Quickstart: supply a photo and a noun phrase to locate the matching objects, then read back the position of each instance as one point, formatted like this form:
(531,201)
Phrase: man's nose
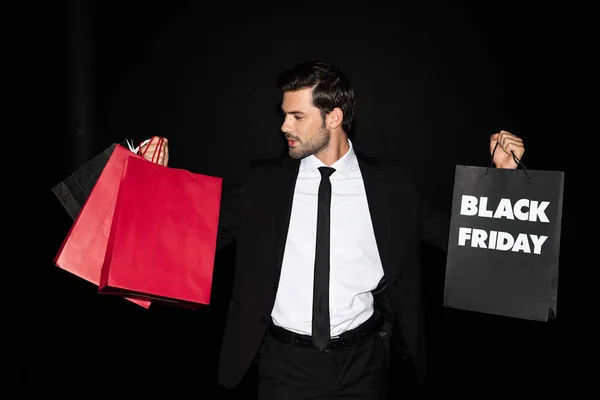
(286,127)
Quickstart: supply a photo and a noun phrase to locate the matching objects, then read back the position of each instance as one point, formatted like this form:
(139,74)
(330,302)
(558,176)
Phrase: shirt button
(263,320)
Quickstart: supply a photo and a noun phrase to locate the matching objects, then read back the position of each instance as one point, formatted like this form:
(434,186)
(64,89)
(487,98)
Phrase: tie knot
(326,171)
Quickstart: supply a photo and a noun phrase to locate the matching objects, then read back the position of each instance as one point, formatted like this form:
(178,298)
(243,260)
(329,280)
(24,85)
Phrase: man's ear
(334,118)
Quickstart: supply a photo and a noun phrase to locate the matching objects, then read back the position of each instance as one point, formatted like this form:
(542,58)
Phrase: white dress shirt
(355,266)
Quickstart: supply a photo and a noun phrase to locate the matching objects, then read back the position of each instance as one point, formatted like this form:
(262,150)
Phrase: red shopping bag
(82,251)
(163,236)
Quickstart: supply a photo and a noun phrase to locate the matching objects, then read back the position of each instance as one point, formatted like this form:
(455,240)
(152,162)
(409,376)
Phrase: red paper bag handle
(158,150)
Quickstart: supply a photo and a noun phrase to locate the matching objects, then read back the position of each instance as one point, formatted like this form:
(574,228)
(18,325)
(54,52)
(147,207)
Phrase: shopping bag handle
(156,151)
(519,163)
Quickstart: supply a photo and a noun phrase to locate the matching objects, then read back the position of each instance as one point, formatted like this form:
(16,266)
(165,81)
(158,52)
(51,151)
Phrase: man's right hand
(156,151)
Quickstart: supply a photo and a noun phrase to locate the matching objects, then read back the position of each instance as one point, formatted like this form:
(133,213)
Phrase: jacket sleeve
(231,205)
(228,214)
(434,220)
(434,224)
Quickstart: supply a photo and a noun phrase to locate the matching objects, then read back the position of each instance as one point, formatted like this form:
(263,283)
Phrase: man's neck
(337,148)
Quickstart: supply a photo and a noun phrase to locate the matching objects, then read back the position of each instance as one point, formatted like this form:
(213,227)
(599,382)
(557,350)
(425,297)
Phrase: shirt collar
(344,165)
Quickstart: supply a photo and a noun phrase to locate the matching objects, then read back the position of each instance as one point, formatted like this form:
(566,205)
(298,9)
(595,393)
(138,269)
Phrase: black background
(433,81)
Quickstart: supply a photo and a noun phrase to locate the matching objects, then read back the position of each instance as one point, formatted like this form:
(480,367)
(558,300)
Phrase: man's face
(303,126)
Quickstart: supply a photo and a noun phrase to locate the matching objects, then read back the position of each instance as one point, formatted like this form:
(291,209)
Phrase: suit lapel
(285,176)
(379,189)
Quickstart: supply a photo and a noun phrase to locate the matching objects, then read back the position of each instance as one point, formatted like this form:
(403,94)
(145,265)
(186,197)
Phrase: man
(377,219)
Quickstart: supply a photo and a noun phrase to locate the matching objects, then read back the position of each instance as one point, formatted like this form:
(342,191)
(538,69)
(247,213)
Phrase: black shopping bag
(73,191)
(504,241)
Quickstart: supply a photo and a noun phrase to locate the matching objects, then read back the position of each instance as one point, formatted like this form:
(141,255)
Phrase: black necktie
(320,322)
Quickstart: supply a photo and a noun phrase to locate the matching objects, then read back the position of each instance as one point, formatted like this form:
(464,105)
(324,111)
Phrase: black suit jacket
(258,219)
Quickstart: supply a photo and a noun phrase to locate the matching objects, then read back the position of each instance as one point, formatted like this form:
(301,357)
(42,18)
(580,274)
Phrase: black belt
(346,339)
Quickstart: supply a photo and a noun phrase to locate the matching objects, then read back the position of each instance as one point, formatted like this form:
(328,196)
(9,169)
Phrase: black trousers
(288,372)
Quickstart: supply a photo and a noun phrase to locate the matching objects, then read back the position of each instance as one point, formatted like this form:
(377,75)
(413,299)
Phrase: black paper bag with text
(73,191)
(504,242)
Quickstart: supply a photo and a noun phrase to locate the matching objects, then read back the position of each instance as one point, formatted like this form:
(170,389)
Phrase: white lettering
(538,211)
(504,209)
(498,240)
(468,205)
(519,206)
(479,237)
(538,241)
(464,234)
(483,211)
(521,244)
(471,205)
(505,241)
(493,239)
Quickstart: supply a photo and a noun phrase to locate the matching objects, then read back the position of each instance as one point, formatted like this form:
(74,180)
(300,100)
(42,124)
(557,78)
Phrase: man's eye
(298,117)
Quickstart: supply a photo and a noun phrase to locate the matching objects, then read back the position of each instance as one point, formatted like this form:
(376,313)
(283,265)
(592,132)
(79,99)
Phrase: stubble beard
(312,146)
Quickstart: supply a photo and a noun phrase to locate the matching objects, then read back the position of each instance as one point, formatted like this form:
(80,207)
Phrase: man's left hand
(507,145)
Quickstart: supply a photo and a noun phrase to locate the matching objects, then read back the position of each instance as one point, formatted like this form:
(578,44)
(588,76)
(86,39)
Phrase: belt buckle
(289,339)
(336,344)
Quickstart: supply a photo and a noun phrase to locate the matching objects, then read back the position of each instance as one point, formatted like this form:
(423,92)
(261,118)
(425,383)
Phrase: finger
(148,152)
(502,135)
(508,142)
(164,153)
(149,147)
(161,153)
(515,151)
(162,160)
(157,151)
(494,142)
(515,148)
(506,134)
